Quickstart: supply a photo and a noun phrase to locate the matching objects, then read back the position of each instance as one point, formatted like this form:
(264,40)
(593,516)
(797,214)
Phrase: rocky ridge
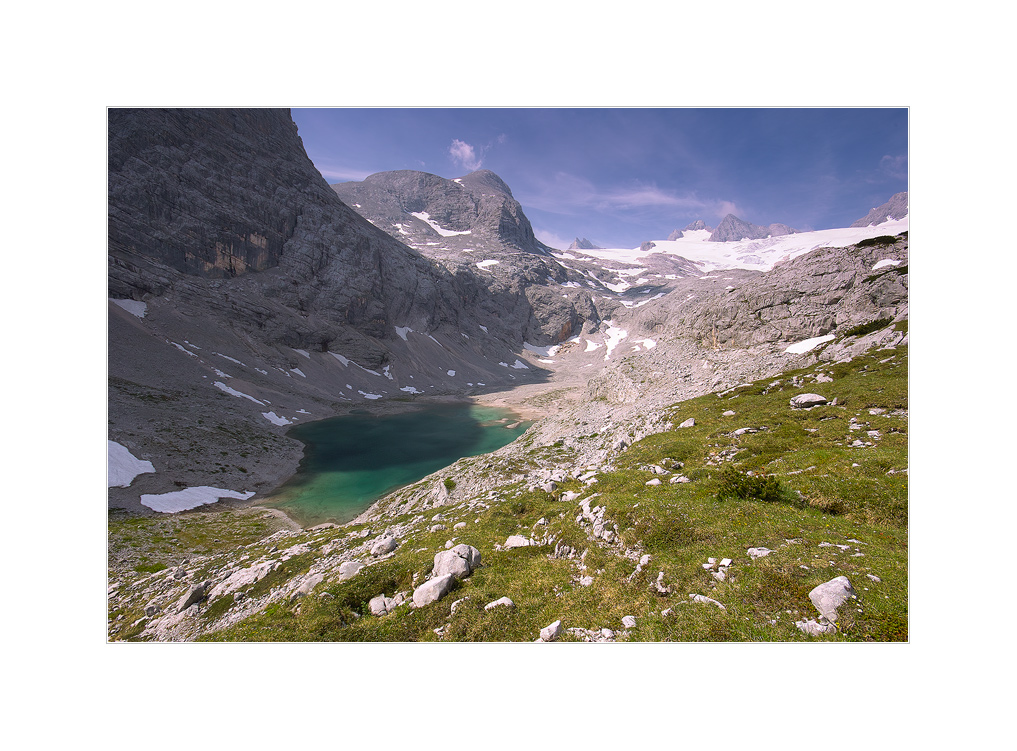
(895,208)
(733,228)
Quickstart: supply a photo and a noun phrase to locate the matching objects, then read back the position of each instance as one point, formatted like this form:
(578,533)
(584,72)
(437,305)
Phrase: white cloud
(464,154)
(551,239)
(894,166)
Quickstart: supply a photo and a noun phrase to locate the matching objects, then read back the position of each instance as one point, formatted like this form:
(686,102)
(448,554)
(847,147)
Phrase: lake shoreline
(511,418)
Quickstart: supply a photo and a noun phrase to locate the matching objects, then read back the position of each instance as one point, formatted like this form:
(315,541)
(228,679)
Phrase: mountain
(713,420)
(583,244)
(475,210)
(732,228)
(699,224)
(245,295)
(676,234)
(895,208)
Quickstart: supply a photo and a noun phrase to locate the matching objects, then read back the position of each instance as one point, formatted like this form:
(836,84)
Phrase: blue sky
(623,176)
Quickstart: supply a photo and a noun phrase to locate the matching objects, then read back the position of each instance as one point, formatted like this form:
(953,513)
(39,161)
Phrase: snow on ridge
(227,357)
(486,264)
(233,392)
(759,255)
(426,218)
(188,498)
(800,348)
(134,307)
(122,466)
(303,352)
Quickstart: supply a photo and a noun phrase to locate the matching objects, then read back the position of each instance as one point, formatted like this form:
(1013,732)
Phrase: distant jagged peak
(731,229)
(676,234)
(698,225)
(581,243)
(895,208)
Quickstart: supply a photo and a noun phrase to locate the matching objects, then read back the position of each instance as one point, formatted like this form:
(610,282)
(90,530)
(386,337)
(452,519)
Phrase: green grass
(820,492)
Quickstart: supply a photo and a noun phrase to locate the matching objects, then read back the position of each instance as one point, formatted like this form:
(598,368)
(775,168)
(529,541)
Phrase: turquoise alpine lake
(352,461)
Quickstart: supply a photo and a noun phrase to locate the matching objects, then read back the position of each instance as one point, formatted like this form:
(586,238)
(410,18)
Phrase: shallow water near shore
(352,461)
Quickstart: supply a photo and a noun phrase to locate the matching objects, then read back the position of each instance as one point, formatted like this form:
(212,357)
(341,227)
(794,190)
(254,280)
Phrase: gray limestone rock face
(676,234)
(384,546)
(896,208)
(500,602)
(349,569)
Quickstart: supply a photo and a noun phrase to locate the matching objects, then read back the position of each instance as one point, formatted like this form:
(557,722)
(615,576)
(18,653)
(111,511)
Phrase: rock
(500,602)
(828,597)
(379,605)
(384,546)
(552,632)
(688,423)
(654,481)
(460,525)
(607,633)
(349,569)
(196,594)
(586,581)
(708,600)
(679,478)
(151,609)
(755,553)
(815,628)
(460,561)
(728,413)
(629,621)
(517,541)
(874,578)
(725,563)
(433,590)
(805,401)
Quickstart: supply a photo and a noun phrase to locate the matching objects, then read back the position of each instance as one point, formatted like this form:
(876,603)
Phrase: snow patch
(275,419)
(122,466)
(182,500)
(233,392)
(450,372)
(426,218)
(226,357)
(303,352)
(520,365)
(542,351)
(369,396)
(802,347)
(485,264)
(410,390)
(613,337)
(884,263)
(402,331)
(134,307)
(298,371)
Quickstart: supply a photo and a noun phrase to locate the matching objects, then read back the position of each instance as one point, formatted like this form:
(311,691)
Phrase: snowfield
(134,307)
(183,500)
(759,255)
(800,348)
(122,466)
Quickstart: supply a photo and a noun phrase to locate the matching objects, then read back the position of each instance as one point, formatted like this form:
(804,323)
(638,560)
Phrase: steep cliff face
(895,208)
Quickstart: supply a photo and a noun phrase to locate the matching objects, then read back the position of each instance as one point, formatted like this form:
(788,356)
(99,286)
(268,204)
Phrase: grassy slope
(833,493)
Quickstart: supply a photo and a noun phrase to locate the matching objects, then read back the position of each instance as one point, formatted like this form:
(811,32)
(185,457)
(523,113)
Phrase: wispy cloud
(464,155)
(569,194)
(894,166)
(551,239)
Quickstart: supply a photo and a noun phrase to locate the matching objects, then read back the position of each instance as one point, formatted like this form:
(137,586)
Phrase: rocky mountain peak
(698,225)
(583,244)
(731,228)
(485,179)
(676,234)
(896,208)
